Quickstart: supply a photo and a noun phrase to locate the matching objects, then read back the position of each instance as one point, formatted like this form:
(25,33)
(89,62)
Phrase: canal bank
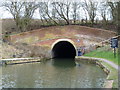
(12,61)
(108,67)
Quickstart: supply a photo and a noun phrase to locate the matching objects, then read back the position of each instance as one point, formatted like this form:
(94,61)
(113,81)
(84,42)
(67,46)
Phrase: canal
(53,74)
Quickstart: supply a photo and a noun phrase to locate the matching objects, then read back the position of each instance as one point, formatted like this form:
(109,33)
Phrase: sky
(5,14)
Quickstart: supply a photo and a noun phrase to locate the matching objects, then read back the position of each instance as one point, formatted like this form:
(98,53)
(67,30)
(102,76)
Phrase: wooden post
(114,53)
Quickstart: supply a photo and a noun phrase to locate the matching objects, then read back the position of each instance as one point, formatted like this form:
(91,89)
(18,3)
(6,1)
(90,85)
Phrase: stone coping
(108,83)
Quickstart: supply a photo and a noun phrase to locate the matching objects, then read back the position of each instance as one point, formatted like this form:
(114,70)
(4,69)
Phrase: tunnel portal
(63,49)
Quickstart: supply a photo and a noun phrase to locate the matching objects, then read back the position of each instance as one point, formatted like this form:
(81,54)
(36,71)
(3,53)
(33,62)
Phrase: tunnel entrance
(63,49)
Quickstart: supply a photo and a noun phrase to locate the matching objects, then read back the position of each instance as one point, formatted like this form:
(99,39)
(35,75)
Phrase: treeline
(64,13)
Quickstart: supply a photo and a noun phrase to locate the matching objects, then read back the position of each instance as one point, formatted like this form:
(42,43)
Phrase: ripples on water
(65,73)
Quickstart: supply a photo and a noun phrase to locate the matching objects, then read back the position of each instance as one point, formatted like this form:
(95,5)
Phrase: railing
(90,48)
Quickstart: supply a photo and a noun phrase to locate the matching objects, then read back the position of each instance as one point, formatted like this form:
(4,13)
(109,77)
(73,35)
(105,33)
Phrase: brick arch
(68,40)
(63,48)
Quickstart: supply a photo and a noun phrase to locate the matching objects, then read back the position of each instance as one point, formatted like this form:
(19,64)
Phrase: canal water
(53,74)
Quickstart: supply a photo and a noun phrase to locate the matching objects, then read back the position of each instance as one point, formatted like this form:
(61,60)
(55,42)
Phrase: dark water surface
(53,74)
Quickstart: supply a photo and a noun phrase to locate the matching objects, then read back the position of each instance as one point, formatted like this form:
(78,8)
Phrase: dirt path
(110,63)
(105,60)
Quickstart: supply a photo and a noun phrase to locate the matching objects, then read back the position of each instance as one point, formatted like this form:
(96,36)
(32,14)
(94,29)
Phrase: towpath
(105,60)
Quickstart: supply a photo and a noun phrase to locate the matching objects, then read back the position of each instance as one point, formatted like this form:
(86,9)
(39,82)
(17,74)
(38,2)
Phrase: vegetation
(22,13)
(113,75)
(104,53)
(107,53)
(22,50)
(62,13)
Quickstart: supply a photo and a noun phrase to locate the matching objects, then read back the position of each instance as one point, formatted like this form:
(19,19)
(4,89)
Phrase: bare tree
(118,19)
(75,9)
(91,8)
(115,13)
(42,12)
(47,11)
(114,10)
(22,12)
(63,10)
(104,10)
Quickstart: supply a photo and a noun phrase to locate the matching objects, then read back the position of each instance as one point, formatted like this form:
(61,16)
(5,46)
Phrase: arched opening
(63,49)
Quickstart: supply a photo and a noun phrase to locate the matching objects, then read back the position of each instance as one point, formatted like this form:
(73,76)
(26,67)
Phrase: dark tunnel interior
(63,49)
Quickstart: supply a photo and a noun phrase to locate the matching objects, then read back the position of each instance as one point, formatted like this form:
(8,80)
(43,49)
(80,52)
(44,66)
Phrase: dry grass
(23,50)
(8,51)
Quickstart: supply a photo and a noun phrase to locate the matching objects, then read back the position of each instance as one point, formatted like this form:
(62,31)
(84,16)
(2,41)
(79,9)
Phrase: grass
(106,54)
(113,74)
(29,40)
(48,36)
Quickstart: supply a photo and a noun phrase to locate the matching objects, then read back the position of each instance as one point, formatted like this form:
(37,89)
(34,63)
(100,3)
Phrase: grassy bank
(107,53)
(103,53)
(113,75)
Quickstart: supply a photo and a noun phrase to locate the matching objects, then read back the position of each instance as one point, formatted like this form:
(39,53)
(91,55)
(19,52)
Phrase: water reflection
(55,73)
(63,62)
